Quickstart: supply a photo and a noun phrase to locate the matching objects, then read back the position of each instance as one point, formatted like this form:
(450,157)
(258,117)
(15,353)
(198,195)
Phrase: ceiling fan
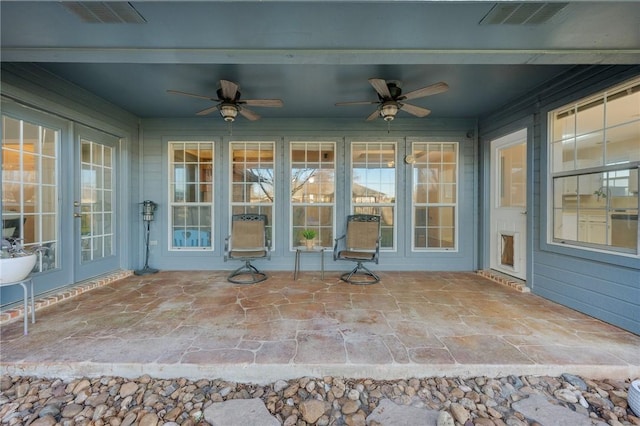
(391,100)
(229,103)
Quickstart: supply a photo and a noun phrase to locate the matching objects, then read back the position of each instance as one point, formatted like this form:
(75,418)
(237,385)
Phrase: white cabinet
(592,229)
(583,184)
(568,229)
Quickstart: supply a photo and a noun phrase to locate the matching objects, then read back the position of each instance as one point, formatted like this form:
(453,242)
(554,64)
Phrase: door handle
(77,215)
(523,212)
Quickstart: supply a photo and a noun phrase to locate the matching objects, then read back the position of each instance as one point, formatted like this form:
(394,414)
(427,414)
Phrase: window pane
(597,206)
(29,186)
(435,176)
(373,187)
(253,176)
(312,191)
(623,143)
(564,125)
(589,150)
(590,116)
(191,186)
(95,200)
(623,106)
(513,176)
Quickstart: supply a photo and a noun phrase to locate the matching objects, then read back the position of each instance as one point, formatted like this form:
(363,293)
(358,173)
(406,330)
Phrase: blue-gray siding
(605,286)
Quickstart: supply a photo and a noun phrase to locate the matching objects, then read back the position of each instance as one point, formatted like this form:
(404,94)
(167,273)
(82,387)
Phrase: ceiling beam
(321,56)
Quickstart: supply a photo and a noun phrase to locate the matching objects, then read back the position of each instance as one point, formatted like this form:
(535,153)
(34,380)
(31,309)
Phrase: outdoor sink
(16,268)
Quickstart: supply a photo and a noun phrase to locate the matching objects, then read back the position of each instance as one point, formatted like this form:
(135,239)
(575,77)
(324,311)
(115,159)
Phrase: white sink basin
(16,268)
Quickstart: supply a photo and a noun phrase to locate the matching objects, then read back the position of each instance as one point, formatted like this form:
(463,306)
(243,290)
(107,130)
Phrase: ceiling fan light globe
(229,112)
(389,111)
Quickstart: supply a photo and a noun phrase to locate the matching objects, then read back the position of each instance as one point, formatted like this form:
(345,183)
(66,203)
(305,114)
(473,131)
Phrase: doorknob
(77,215)
(76,204)
(523,212)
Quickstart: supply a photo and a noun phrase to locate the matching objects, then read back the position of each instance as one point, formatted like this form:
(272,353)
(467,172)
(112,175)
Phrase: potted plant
(309,235)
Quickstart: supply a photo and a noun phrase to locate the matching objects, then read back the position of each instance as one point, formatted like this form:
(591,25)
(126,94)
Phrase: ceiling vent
(521,13)
(104,12)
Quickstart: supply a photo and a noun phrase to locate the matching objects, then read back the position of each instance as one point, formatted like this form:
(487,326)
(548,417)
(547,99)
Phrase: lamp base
(145,271)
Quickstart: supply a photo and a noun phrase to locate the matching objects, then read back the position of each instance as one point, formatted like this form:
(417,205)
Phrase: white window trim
(550,175)
(456,205)
(335,170)
(171,204)
(349,194)
(271,224)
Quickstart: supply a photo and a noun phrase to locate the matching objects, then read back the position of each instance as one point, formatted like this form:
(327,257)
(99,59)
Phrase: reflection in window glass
(373,187)
(30,187)
(313,191)
(191,195)
(435,189)
(253,180)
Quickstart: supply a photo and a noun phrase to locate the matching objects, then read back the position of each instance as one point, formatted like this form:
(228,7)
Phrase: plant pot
(633,397)
(16,268)
(308,244)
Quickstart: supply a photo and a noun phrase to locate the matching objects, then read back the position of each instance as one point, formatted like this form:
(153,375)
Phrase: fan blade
(229,89)
(357,103)
(375,114)
(248,114)
(381,87)
(207,110)
(415,110)
(434,89)
(273,103)
(177,92)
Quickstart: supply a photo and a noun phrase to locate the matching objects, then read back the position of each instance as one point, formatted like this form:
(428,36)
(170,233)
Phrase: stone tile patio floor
(411,324)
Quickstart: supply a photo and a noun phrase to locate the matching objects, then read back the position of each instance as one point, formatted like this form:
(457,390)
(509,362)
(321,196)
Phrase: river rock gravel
(323,401)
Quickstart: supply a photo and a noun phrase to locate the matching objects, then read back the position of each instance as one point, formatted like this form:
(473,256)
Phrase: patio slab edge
(267,373)
(16,311)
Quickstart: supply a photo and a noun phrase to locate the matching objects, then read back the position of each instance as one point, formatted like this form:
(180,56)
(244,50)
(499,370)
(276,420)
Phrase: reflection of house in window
(363,196)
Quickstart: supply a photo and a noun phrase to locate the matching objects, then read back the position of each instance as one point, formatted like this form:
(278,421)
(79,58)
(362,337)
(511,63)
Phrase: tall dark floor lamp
(148,207)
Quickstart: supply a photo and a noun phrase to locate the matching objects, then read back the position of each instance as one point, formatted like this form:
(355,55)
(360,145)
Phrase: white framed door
(94,204)
(508,218)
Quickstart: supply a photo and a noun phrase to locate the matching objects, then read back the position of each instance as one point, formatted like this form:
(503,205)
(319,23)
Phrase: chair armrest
(335,246)
(376,256)
(227,247)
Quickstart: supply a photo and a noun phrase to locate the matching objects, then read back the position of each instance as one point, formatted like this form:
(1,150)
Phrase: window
(29,186)
(435,195)
(253,180)
(313,191)
(96,201)
(191,194)
(373,186)
(595,155)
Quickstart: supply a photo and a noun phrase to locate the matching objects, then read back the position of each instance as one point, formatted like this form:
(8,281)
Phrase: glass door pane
(95,204)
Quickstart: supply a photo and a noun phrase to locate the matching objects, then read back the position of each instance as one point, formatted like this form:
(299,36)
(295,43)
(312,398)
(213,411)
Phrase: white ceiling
(312,54)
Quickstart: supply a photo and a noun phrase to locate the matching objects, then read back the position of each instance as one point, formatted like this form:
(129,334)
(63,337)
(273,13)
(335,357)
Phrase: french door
(94,203)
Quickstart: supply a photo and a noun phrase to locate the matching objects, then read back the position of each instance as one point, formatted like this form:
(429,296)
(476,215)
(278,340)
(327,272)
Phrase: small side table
(303,249)
(23,283)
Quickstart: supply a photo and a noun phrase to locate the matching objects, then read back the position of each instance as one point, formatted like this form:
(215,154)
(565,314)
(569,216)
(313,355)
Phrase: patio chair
(360,244)
(248,241)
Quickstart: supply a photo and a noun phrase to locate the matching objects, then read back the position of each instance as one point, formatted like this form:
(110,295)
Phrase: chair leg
(244,270)
(360,270)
